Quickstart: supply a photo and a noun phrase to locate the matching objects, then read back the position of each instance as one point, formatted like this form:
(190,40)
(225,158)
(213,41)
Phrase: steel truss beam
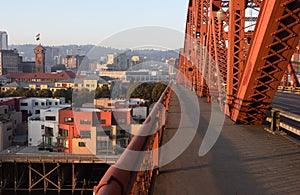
(274,41)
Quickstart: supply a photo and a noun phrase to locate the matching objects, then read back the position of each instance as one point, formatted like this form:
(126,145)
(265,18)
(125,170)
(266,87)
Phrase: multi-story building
(33,106)
(41,77)
(113,74)
(3,40)
(9,120)
(51,58)
(43,128)
(80,130)
(73,61)
(10,62)
(110,59)
(76,124)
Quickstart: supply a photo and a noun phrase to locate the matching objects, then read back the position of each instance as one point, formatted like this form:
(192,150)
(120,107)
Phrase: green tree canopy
(44,93)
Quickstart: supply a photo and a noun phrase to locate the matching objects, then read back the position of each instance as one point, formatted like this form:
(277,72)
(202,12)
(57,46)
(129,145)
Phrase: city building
(135,60)
(76,124)
(10,61)
(43,128)
(3,40)
(41,77)
(110,59)
(73,61)
(146,75)
(172,63)
(27,67)
(39,59)
(3,80)
(10,118)
(33,106)
(113,74)
(52,58)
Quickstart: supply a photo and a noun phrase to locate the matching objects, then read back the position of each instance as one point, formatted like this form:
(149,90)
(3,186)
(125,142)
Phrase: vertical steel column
(235,61)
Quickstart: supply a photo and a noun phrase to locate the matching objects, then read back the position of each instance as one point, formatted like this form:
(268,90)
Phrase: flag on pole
(37,37)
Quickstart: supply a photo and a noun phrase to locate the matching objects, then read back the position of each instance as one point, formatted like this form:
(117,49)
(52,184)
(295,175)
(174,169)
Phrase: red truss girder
(275,38)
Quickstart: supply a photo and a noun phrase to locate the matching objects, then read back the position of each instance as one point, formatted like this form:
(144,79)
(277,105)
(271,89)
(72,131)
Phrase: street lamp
(221,15)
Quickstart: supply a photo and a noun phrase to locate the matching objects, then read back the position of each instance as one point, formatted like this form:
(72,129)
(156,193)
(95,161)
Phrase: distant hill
(95,52)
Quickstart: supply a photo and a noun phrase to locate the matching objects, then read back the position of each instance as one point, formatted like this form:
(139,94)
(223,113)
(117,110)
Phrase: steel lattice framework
(243,68)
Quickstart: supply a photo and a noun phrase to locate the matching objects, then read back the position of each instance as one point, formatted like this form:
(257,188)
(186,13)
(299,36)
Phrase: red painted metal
(275,38)
(250,64)
(236,57)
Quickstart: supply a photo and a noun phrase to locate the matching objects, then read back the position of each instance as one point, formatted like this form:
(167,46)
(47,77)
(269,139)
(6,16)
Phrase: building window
(63,133)
(85,122)
(68,120)
(24,104)
(81,144)
(37,112)
(42,126)
(50,103)
(43,104)
(50,118)
(36,103)
(8,128)
(102,121)
(85,134)
(56,103)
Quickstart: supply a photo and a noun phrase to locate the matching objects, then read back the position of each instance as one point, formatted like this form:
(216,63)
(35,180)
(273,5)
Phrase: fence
(276,123)
(289,89)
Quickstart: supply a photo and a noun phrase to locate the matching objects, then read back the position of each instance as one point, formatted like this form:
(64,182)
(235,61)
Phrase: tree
(158,89)
(143,90)
(29,93)
(12,93)
(66,93)
(82,96)
(102,92)
(44,93)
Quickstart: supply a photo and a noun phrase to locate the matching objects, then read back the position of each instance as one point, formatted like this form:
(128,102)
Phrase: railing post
(275,124)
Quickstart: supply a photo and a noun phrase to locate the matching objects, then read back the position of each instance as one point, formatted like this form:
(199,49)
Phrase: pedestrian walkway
(244,160)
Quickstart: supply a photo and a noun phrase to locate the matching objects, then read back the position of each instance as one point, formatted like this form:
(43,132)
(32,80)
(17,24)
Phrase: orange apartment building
(79,130)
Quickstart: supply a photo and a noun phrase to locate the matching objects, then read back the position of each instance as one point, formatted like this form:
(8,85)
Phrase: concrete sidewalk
(244,160)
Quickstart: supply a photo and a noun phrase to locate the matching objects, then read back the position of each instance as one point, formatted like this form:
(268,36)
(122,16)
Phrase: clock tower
(39,59)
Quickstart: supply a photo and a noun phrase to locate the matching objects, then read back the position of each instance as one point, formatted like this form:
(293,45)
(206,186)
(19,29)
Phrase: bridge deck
(244,160)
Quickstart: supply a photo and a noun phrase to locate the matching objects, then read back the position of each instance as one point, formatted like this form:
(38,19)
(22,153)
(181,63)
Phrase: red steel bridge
(236,54)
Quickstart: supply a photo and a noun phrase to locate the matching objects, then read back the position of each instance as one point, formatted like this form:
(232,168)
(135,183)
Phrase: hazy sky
(89,21)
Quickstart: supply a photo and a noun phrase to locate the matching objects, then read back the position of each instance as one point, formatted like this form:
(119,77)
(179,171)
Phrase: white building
(43,128)
(32,106)
(3,40)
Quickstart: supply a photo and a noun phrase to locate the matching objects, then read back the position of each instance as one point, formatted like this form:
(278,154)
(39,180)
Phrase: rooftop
(51,76)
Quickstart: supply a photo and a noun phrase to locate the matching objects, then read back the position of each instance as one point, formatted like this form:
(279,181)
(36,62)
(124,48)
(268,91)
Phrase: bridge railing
(278,121)
(141,167)
(289,89)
